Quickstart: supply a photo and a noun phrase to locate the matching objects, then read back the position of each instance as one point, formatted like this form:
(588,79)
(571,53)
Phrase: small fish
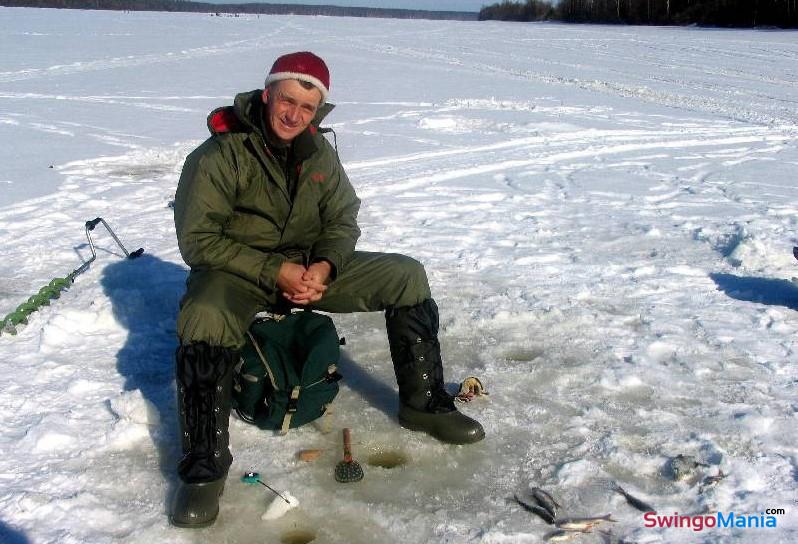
(559,535)
(631,499)
(582,524)
(683,467)
(535,509)
(709,481)
(470,388)
(545,501)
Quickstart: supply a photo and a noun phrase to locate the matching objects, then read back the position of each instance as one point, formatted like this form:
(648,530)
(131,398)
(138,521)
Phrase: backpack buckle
(293,400)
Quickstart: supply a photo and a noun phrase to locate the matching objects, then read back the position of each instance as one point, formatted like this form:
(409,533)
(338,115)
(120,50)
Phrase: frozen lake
(606,215)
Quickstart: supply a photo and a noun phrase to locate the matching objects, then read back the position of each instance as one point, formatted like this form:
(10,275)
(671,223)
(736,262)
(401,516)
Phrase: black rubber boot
(204,396)
(196,505)
(424,404)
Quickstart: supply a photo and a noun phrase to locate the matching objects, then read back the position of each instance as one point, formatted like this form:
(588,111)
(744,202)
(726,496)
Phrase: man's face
(290,108)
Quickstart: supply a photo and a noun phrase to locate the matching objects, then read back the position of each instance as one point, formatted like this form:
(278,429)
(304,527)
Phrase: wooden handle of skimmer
(348,445)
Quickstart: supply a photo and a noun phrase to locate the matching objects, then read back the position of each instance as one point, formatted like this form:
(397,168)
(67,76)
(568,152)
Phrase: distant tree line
(271,9)
(531,10)
(731,13)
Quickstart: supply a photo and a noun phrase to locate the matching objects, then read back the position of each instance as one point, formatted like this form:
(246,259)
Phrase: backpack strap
(262,357)
(292,400)
(289,413)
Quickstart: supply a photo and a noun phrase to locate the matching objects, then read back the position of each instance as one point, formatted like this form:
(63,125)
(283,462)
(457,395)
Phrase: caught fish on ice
(558,535)
(583,524)
(710,481)
(536,509)
(684,467)
(543,499)
(632,500)
(470,388)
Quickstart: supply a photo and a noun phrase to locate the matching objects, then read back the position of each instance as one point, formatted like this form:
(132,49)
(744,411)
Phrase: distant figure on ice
(267,220)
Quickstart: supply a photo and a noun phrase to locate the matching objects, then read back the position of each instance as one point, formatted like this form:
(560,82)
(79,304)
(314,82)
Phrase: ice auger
(53,289)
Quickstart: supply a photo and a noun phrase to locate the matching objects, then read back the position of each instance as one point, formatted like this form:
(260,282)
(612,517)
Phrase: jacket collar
(248,110)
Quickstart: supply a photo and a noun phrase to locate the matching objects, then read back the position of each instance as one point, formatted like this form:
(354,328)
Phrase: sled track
(397,174)
(731,104)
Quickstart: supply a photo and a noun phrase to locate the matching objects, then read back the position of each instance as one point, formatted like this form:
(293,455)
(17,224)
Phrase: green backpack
(288,373)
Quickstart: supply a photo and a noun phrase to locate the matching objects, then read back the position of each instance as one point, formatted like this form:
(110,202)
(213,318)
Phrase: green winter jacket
(233,210)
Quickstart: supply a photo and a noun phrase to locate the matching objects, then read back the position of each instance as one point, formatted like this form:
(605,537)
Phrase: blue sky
(447,5)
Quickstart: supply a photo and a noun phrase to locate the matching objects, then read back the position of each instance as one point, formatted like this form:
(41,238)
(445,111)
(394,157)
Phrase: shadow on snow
(773,292)
(376,392)
(10,535)
(145,293)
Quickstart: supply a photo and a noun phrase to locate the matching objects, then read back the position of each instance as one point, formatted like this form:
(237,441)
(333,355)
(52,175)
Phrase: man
(267,220)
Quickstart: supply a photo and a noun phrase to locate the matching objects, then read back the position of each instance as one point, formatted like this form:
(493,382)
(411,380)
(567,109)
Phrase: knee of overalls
(412,285)
(216,309)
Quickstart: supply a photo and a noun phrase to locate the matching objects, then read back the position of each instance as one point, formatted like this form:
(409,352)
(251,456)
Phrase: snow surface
(606,215)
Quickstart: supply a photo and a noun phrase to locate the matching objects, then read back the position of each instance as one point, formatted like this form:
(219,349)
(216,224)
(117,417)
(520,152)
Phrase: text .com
(719,520)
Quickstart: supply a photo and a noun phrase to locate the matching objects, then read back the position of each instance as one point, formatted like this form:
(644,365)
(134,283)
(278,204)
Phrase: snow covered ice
(606,214)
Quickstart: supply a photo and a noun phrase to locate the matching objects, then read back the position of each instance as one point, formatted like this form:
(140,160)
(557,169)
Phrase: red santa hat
(304,66)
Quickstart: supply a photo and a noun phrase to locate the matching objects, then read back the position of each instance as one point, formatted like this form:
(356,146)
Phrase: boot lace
(441,401)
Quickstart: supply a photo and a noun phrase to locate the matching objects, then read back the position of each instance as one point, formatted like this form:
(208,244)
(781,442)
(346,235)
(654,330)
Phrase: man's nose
(293,114)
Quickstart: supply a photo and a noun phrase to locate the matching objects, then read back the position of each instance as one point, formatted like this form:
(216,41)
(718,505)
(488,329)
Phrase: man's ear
(265,95)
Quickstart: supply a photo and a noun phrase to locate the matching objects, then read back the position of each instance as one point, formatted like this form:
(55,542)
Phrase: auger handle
(90,226)
(348,445)
(93,223)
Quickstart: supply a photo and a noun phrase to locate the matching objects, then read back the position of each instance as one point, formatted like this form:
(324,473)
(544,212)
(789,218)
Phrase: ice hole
(387,459)
(297,537)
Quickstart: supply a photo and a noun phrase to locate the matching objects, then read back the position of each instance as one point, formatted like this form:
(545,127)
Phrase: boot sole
(202,525)
(420,428)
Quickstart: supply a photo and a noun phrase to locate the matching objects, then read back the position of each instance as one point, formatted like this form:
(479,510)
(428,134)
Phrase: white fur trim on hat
(316,82)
